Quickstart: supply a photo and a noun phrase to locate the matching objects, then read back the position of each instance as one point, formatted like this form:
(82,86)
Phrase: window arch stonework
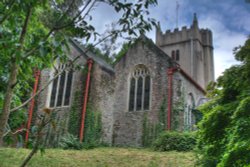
(188,112)
(139,93)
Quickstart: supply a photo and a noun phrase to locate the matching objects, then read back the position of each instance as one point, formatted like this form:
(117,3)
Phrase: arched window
(61,89)
(173,54)
(177,56)
(188,112)
(139,93)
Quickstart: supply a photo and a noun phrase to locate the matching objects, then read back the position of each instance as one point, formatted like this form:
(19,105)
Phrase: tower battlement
(194,47)
(184,34)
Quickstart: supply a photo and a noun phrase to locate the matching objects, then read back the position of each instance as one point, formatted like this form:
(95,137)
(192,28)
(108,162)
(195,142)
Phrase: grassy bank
(99,157)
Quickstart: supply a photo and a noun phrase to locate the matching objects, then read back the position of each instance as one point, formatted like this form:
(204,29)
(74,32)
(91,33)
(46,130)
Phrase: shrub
(177,141)
(70,142)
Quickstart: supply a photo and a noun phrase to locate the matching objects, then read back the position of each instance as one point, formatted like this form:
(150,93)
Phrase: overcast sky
(229,21)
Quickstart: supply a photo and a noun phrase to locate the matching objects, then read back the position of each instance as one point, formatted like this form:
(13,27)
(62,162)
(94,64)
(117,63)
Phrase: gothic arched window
(188,112)
(139,93)
(61,89)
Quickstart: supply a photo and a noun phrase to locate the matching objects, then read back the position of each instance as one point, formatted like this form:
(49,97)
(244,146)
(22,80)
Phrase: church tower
(191,48)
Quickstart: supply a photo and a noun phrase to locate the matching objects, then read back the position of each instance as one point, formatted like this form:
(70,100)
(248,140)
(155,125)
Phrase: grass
(99,157)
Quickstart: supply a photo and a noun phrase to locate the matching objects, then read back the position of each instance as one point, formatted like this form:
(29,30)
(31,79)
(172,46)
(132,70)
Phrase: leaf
(42,150)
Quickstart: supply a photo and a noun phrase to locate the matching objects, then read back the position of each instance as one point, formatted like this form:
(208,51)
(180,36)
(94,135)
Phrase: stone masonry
(110,86)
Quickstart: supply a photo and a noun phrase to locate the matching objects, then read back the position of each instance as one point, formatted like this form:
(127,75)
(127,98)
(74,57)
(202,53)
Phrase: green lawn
(99,157)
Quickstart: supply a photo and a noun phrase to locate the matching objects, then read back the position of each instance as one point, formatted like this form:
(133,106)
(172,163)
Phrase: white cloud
(225,40)
(225,19)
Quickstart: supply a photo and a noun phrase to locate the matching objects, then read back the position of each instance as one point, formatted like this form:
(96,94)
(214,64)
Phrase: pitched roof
(154,48)
(88,54)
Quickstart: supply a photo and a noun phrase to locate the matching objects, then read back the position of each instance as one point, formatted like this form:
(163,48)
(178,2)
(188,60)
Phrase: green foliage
(178,108)
(70,142)
(74,116)
(99,53)
(175,141)
(122,52)
(238,147)
(224,132)
(163,115)
(92,128)
(36,33)
(99,157)
(152,130)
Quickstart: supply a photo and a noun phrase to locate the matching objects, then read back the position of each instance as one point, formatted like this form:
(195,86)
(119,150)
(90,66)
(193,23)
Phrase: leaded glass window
(61,88)
(139,93)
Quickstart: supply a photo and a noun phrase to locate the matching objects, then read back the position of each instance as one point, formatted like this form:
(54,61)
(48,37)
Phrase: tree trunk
(12,80)
(28,158)
(7,100)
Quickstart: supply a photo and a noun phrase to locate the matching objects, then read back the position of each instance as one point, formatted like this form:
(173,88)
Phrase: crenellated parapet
(194,47)
(185,34)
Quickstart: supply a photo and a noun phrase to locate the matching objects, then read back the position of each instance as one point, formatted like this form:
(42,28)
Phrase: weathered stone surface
(110,87)
(196,50)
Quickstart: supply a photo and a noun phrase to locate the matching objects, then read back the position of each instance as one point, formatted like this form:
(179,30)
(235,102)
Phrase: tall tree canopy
(224,132)
(33,33)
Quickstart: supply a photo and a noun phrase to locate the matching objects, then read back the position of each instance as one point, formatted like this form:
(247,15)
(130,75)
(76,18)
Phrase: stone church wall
(101,99)
(183,88)
(128,125)
(62,114)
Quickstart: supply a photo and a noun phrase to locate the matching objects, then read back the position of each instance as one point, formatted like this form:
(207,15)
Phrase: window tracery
(139,93)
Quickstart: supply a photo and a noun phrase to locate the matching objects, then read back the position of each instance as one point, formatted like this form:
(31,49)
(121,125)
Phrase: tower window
(139,94)
(177,57)
(61,89)
(173,54)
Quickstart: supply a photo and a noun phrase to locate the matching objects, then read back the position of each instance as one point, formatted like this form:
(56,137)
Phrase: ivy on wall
(93,127)
(75,115)
(151,130)
(178,111)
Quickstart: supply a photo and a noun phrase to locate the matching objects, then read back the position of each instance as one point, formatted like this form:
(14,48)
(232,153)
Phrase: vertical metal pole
(86,93)
(37,75)
(170,80)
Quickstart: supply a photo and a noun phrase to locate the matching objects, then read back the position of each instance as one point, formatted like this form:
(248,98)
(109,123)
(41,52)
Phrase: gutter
(170,73)
(85,100)
(32,104)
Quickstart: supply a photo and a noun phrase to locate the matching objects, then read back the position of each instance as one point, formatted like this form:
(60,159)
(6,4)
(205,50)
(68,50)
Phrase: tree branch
(24,28)
(7,14)
(77,16)
(37,93)
(59,73)
(30,52)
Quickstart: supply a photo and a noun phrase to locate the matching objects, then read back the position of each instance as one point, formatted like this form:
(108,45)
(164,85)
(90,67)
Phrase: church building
(153,87)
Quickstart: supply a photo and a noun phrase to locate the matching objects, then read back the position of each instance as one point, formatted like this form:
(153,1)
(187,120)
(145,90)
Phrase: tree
(33,33)
(224,131)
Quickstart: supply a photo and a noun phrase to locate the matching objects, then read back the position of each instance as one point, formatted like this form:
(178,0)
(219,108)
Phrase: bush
(70,142)
(169,141)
